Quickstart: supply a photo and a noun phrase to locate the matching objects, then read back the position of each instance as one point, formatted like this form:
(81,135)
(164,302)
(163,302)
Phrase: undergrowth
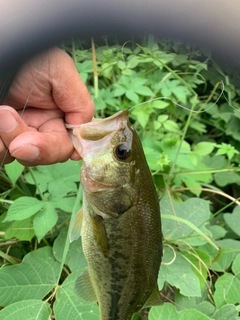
(185,108)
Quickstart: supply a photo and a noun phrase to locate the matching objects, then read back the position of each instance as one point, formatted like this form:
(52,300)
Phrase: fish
(119,222)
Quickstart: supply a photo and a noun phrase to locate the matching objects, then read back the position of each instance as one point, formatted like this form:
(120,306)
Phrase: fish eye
(122,152)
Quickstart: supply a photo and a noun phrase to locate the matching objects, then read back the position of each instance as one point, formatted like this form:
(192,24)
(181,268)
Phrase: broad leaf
(225,178)
(75,258)
(23,208)
(236,266)
(178,272)
(233,220)
(68,306)
(168,311)
(31,279)
(228,311)
(224,261)
(197,303)
(27,310)
(59,176)
(22,230)
(227,290)
(193,210)
(45,220)
(204,148)
(14,170)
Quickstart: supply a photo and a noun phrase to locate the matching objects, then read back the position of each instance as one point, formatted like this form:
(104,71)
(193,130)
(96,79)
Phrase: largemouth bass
(120,219)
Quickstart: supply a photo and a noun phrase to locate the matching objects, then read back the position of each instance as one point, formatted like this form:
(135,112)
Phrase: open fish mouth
(88,135)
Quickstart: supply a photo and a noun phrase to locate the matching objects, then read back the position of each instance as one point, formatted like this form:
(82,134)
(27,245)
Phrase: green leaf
(185,161)
(204,148)
(27,310)
(171,126)
(203,175)
(85,67)
(168,311)
(144,91)
(45,220)
(160,104)
(64,203)
(132,96)
(178,272)
(192,184)
(236,265)
(14,170)
(69,306)
(215,162)
(119,92)
(233,245)
(162,118)
(233,220)
(153,158)
(224,261)
(228,311)
(227,149)
(193,314)
(75,258)
(22,230)
(62,189)
(23,208)
(121,64)
(35,277)
(227,290)
(198,126)
(196,303)
(56,175)
(142,116)
(199,261)
(173,87)
(217,232)
(193,210)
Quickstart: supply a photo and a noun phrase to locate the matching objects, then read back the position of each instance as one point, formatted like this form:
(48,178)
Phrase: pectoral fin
(100,234)
(84,287)
(154,299)
(75,231)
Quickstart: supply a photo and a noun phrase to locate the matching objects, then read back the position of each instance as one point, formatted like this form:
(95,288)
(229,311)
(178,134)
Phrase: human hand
(53,92)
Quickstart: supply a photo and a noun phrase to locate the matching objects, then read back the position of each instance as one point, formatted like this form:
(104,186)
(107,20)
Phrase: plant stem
(208,190)
(180,144)
(95,73)
(36,184)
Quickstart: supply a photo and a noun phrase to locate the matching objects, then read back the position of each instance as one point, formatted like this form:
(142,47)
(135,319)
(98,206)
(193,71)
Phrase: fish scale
(120,224)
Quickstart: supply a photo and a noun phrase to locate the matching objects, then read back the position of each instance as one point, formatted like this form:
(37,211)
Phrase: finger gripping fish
(120,219)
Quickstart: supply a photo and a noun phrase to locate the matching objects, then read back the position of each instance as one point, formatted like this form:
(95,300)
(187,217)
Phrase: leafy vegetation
(185,108)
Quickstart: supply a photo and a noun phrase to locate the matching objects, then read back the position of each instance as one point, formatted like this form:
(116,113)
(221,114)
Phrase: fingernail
(27,153)
(7,122)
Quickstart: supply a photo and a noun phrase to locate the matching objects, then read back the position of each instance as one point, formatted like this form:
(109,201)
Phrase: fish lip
(122,113)
(96,130)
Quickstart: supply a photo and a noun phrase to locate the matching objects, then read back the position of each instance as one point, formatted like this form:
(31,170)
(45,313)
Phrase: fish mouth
(99,128)
(89,134)
(96,129)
